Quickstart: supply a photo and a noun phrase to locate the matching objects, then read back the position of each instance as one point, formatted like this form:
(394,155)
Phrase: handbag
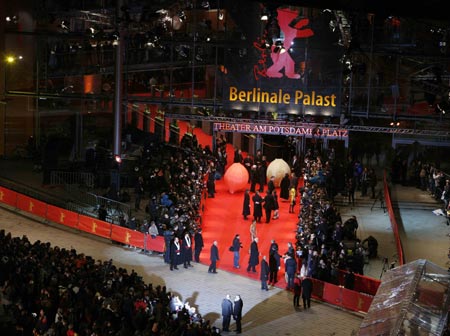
(231,249)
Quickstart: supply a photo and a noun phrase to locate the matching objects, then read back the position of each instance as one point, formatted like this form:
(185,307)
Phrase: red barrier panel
(127,236)
(332,294)
(363,284)
(8,197)
(31,205)
(94,226)
(156,244)
(62,216)
(341,297)
(355,301)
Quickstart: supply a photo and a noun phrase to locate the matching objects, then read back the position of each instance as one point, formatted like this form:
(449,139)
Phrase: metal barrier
(71,177)
(114,209)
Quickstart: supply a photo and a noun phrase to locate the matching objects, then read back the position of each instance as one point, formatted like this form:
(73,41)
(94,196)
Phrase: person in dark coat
(264,275)
(227,312)
(254,178)
(276,207)
(186,245)
(253,260)
(269,206)
(175,253)
(307,287)
(214,257)
(274,264)
(271,185)
(198,245)
(257,206)
(297,292)
(349,279)
(246,205)
(261,176)
(237,313)
(138,192)
(284,187)
(290,269)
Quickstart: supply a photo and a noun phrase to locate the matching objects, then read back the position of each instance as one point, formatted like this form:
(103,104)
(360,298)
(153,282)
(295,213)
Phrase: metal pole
(118,94)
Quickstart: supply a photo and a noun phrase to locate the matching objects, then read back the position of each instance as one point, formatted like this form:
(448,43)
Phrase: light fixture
(264,15)
(220,15)
(395,123)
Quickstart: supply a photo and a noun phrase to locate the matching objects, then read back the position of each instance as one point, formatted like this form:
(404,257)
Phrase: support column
(118,94)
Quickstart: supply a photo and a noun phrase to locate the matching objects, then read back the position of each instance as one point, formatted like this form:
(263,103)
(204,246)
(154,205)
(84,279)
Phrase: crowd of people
(324,243)
(47,290)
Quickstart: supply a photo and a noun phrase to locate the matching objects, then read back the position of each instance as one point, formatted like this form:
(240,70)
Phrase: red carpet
(222,219)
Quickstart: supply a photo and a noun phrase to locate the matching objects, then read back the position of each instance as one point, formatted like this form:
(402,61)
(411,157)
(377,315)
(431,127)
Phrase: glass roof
(411,300)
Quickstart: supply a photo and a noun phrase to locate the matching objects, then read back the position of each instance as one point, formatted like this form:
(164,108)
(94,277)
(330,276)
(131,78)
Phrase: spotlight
(264,15)
(205,4)
(220,16)
(395,123)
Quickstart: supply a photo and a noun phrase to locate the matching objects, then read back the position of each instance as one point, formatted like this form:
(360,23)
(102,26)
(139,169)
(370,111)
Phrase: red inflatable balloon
(236,177)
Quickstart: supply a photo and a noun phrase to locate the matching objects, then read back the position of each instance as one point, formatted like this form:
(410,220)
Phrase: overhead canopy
(411,300)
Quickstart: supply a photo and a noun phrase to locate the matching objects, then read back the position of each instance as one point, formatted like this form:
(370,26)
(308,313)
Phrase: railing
(394,225)
(114,209)
(68,178)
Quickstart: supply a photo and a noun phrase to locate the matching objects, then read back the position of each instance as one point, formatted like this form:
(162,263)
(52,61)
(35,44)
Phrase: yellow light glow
(10,59)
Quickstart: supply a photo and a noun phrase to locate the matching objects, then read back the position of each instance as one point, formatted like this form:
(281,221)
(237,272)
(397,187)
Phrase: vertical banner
(8,197)
(62,216)
(31,205)
(94,226)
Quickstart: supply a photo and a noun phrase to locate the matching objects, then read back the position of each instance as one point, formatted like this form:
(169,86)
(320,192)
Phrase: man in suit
(269,206)
(257,206)
(214,257)
(254,256)
(271,185)
(227,311)
(198,241)
(290,268)
(264,273)
(237,313)
(307,287)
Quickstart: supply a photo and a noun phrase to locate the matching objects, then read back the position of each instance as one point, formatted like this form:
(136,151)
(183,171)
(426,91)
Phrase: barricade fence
(83,222)
(394,225)
(327,292)
(71,177)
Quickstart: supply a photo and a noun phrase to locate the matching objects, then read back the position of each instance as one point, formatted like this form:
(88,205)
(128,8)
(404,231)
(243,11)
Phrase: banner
(94,226)
(8,197)
(309,131)
(31,205)
(126,236)
(62,216)
(289,64)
